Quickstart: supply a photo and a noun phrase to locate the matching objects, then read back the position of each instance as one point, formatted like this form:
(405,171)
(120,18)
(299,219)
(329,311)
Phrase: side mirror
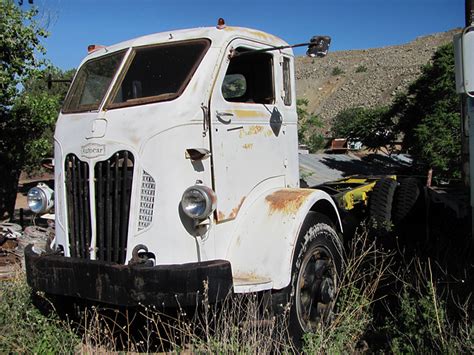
(318,46)
(464,59)
(50,81)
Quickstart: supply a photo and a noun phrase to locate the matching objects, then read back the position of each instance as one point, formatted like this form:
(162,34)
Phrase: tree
(428,115)
(22,117)
(374,127)
(426,118)
(20,39)
(309,129)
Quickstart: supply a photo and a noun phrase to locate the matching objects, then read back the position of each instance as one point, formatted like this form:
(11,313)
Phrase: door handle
(224,117)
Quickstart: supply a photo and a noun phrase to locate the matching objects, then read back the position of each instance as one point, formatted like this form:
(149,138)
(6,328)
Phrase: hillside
(371,77)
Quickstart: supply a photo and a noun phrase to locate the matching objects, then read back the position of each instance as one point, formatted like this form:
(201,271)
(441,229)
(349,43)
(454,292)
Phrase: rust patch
(248,146)
(252,130)
(261,35)
(236,210)
(220,216)
(287,201)
(250,278)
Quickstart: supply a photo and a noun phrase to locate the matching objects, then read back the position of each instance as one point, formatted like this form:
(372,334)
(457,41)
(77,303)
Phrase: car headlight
(198,202)
(40,198)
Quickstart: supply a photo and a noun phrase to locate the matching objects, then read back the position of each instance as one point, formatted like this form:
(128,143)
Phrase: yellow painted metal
(354,190)
(357,195)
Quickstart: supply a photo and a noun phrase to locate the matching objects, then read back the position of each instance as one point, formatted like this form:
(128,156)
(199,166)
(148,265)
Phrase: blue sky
(352,24)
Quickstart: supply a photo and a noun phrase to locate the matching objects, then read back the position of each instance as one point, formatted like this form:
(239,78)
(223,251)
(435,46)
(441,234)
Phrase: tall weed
(23,329)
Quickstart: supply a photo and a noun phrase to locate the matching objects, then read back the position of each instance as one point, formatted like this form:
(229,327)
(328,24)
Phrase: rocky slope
(370,77)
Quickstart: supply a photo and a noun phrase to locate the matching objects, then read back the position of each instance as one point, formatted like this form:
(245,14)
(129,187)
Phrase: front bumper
(130,286)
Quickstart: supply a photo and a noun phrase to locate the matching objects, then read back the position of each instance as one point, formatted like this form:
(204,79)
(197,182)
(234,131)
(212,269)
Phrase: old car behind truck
(176,165)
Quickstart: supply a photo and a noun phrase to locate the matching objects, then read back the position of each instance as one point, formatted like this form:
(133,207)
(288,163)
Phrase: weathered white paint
(250,163)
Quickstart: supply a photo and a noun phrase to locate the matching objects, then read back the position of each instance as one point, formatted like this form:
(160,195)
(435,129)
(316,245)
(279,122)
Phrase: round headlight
(198,201)
(40,198)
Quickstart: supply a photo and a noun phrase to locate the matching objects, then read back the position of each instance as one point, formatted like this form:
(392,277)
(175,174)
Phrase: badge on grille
(92,150)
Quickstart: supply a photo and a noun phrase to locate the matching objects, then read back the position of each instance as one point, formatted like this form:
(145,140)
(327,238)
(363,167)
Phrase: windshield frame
(110,105)
(93,107)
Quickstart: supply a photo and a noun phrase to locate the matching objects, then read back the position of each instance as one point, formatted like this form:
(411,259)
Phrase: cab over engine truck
(176,165)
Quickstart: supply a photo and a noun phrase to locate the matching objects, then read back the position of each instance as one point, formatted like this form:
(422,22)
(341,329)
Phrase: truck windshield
(158,73)
(91,83)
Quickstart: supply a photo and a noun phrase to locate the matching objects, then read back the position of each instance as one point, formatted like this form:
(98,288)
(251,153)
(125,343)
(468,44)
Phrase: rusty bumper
(130,286)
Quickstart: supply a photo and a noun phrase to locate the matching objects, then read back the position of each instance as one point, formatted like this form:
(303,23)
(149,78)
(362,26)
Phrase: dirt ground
(12,245)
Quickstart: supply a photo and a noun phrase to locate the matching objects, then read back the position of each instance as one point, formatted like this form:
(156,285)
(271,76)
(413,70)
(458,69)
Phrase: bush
(421,321)
(23,329)
(309,127)
(364,269)
(337,71)
(361,69)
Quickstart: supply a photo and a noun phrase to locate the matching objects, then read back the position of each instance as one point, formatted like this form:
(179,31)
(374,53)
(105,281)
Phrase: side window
(249,78)
(286,81)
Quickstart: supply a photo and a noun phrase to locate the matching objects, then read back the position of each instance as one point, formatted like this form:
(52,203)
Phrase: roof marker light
(93,47)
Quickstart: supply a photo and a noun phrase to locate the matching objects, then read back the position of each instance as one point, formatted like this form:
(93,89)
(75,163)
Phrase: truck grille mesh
(78,211)
(147,201)
(113,186)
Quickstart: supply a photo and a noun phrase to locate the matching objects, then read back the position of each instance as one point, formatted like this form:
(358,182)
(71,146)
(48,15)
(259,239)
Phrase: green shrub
(361,69)
(309,127)
(23,329)
(421,324)
(364,268)
(337,71)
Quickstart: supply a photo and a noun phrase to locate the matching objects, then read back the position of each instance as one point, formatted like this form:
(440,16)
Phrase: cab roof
(218,37)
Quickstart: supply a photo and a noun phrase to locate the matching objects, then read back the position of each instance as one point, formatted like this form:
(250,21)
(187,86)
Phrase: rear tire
(380,204)
(317,265)
(406,197)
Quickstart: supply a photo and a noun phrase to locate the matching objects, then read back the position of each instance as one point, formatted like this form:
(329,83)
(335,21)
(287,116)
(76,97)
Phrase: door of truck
(247,128)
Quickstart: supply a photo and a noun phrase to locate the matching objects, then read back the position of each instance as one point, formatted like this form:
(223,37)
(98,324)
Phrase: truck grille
(113,186)
(78,211)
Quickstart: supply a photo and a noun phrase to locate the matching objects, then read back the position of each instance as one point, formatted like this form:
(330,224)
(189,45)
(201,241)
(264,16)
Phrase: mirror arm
(318,46)
(234,54)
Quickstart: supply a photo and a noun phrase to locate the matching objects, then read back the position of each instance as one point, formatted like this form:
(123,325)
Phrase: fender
(262,247)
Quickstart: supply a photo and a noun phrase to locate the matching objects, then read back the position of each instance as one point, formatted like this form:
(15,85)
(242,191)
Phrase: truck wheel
(317,264)
(406,197)
(380,203)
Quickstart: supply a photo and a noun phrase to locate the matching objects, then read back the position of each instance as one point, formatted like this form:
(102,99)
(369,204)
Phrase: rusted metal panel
(266,233)
(287,201)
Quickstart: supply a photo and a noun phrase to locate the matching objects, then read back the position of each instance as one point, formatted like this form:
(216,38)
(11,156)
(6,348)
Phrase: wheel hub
(316,292)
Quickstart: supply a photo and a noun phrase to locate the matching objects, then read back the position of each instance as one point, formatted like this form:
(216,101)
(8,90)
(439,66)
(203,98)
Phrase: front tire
(317,265)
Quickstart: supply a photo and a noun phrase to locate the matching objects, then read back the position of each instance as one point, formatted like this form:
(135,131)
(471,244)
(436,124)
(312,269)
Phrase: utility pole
(467,112)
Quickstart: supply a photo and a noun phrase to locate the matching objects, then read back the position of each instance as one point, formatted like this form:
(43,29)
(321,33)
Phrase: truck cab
(176,169)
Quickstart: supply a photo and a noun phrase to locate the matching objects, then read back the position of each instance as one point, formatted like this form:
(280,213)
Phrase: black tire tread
(406,197)
(381,200)
(321,224)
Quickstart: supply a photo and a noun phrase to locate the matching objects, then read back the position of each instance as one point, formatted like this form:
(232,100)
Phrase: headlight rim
(209,198)
(45,194)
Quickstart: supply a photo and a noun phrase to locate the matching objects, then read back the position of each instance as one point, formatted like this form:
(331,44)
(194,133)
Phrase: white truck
(176,165)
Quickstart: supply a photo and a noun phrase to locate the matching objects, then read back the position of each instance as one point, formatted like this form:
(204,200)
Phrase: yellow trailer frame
(352,191)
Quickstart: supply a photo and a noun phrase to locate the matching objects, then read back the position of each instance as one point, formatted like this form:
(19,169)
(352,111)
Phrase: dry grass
(418,317)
